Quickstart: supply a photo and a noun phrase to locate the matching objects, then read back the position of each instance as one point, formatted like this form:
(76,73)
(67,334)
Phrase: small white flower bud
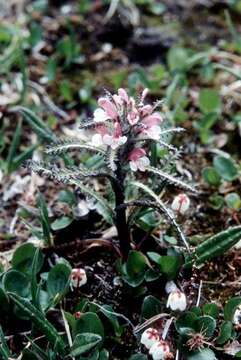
(170,287)
(149,337)
(177,300)
(160,350)
(78,278)
(181,203)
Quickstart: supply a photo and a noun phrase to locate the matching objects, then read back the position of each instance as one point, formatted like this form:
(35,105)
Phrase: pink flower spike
(109,108)
(123,95)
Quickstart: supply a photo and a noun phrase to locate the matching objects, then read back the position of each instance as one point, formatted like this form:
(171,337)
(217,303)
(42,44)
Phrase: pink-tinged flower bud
(78,278)
(146,110)
(138,160)
(170,287)
(181,203)
(123,94)
(144,94)
(149,337)
(77,315)
(109,108)
(160,350)
(177,300)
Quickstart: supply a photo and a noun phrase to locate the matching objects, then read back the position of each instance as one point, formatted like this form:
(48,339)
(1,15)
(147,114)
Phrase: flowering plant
(125,132)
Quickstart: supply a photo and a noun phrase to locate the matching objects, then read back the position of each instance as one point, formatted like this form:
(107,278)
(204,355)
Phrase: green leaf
(225,167)
(151,306)
(204,354)
(23,258)
(206,325)
(89,322)
(16,282)
(14,147)
(209,101)
(225,332)
(211,309)
(61,223)
(4,349)
(84,342)
(40,321)
(138,357)
(233,201)
(177,58)
(44,219)
(170,266)
(4,301)
(214,246)
(135,268)
(38,126)
(185,324)
(230,307)
(58,280)
(112,318)
(211,176)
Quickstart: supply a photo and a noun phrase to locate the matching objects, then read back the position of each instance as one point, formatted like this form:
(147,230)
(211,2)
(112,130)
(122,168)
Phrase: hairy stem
(120,214)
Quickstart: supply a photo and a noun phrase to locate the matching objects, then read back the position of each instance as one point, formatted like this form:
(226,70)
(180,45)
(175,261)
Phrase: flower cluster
(119,118)
(158,348)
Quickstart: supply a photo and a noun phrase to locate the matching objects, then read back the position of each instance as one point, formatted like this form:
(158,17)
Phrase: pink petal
(123,94)
(117,132)
(146,110)
(152,120)
(144,94)
(136,154)
(109,107)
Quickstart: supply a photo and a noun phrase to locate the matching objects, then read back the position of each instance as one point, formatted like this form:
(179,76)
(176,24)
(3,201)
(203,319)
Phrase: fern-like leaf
(69,176)
(163,208)
(111,156)
(171,179)
(65,145)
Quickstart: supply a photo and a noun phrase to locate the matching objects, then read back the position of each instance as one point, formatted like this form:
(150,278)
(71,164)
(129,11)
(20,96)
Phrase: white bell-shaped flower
(181,203)
(149,337)
(160,350)
(78,277)
(177,300)
(237,316)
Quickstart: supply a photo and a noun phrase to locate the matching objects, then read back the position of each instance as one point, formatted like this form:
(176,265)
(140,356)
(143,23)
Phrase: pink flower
(138,160)
(116,139)
(123,95)
(108,107)
(100,115)
(150,125)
